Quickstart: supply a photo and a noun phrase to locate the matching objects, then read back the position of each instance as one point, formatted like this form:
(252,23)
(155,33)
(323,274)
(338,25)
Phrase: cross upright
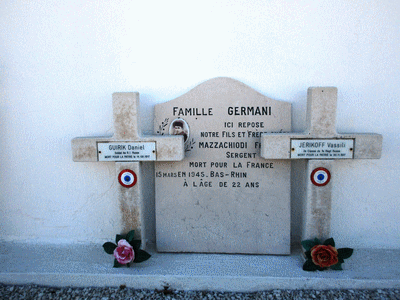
(320,144)
(127,148)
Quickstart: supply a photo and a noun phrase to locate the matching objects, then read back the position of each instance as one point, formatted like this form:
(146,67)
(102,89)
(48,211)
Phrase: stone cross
(127,148)
(320,144)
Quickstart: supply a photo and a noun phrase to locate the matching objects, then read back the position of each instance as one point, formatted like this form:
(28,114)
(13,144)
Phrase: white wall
(62,60)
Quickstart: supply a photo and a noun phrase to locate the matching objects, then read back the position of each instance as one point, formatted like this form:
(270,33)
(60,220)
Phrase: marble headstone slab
(223,197)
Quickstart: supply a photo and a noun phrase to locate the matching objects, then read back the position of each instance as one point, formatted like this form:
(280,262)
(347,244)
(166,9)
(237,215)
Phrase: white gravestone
(223,198)
(127,148)
(320,145)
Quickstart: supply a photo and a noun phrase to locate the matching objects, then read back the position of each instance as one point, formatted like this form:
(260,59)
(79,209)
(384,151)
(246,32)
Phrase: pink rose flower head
(124,253)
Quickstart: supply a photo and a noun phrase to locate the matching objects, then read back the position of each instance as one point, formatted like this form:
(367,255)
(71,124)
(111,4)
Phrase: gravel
(110,293)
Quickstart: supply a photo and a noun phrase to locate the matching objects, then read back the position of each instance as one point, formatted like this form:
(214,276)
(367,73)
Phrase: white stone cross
(320,144)
(128,148)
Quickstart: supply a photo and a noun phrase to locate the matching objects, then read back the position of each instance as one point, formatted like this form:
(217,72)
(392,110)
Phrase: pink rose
(124,253)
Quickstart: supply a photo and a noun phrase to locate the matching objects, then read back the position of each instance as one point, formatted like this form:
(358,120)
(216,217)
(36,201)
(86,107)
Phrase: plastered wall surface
(61,61)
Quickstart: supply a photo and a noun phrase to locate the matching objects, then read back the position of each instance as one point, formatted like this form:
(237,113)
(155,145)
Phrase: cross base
(316,217)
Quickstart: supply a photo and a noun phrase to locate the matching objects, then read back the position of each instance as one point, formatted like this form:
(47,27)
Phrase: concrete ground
(82,265)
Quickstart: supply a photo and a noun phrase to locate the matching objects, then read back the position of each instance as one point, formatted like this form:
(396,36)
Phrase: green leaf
(109,247)
(130,235)
(337,267)
(308,254)
(308,244)
(141,256)
(330,242)
(317,241)
(135,245)
(120,237)
(310,266)
(345,252)
(117,264)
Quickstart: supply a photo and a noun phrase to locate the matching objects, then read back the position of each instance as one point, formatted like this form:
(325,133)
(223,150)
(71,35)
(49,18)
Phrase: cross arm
(168,148)
(367,145)
(85,148)
(278,145)
(275,146)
